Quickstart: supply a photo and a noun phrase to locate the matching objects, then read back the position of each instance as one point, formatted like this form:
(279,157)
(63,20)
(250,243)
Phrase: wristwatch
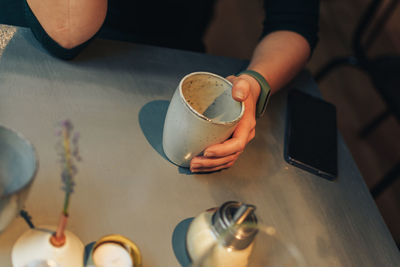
(265,91)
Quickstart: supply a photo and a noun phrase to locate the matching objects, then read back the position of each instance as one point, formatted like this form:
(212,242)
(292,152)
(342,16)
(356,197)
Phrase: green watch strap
(265,91)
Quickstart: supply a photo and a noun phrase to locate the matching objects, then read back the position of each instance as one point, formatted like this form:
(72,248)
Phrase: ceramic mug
(201,113)
(18,166)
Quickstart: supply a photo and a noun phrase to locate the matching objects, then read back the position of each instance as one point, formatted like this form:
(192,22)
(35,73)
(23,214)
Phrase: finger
(231,78)
(229,147)
(203,170)
(235,144)
(240,90)
(204,162)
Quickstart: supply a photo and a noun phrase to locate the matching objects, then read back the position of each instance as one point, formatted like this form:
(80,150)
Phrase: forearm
(279,57)
(69,22)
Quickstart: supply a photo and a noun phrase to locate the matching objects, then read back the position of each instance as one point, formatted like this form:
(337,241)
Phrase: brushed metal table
(117,94)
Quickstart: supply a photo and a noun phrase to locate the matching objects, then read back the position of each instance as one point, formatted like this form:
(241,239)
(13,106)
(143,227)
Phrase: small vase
(35,248)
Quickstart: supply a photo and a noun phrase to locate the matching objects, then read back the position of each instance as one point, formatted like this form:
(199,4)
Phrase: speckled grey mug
(202,113)
(18,166)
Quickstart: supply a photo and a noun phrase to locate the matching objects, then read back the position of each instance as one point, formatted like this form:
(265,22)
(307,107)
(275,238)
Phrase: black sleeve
(46,41)
(299,16)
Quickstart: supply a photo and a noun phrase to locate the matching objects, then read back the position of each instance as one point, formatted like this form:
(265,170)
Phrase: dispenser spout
(241,214)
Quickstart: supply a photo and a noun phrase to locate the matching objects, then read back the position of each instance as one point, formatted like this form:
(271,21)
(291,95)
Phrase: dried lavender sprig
(67,156)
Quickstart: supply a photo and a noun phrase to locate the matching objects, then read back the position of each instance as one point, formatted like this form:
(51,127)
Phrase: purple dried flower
(67,125)
(67,149)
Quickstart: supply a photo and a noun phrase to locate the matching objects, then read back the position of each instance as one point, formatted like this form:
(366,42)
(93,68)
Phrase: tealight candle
(112,255)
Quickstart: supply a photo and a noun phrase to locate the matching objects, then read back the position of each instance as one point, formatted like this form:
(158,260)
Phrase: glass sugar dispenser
(222,236)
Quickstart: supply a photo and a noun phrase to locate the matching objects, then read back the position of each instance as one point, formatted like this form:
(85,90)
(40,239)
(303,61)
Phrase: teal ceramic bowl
(18,167)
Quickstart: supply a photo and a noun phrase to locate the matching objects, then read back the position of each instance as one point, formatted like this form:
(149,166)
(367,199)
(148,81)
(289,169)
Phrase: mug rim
(201,116)
(32,177)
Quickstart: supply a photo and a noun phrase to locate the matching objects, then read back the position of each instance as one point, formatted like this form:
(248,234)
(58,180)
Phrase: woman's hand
(278,57)
(220,156)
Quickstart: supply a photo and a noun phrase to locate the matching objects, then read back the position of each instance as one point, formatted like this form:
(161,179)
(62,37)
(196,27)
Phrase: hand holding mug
(220,156)
(202,113)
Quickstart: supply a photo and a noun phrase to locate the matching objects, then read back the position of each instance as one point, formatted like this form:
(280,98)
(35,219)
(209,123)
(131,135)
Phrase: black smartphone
(311,134)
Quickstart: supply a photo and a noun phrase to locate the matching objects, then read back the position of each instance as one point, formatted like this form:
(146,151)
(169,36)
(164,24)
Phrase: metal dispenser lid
(235,223)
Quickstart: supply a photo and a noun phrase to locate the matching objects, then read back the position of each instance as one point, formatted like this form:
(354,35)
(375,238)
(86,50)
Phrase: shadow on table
(179,242)
(151,120)
(87,256)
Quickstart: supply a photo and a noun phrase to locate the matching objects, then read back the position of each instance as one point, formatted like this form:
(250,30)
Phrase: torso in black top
(171,23)
(181,24)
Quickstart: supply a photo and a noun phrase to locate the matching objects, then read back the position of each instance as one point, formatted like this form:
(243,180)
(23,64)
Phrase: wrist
(262,91)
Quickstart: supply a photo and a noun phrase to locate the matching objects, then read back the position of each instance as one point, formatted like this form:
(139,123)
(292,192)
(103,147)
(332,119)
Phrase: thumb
(240,89)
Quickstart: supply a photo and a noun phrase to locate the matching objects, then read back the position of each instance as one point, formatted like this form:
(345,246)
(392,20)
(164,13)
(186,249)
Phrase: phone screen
(311,134)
